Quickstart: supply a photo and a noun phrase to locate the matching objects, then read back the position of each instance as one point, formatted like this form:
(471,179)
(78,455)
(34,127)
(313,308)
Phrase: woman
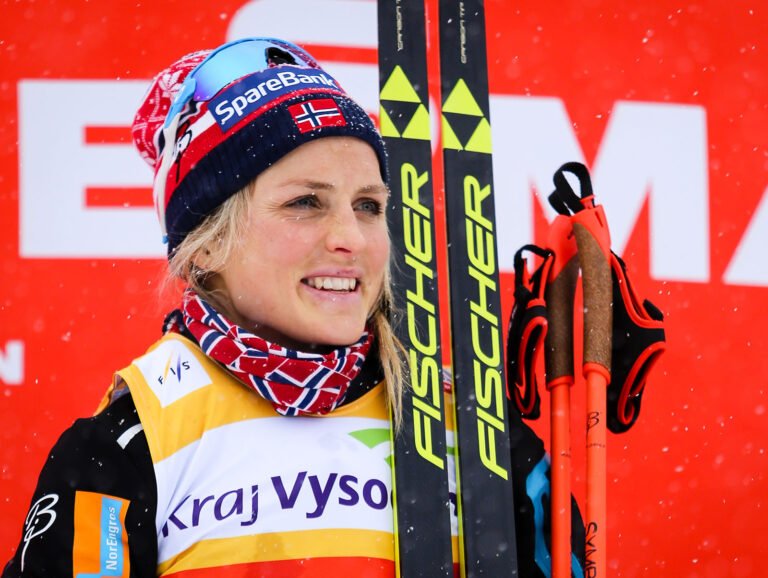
(270,185)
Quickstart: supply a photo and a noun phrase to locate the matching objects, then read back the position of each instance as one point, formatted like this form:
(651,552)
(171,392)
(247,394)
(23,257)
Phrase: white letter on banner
(12,363)
(749,265)
(658,152)
(653,152)
(56,166)
(532,137)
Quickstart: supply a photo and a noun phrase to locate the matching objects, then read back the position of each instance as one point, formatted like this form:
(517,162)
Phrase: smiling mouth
(336,284)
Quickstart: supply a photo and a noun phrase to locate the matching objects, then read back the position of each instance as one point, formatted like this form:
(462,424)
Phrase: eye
(370,206)
(304,202)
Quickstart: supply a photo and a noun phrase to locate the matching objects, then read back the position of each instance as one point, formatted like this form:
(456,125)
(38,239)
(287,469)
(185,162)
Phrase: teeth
(333,283)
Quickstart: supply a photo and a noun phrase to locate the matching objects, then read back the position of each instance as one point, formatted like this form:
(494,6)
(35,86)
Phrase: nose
(344,233)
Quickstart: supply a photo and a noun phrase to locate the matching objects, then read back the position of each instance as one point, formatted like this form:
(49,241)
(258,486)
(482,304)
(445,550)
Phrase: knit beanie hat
(212,121)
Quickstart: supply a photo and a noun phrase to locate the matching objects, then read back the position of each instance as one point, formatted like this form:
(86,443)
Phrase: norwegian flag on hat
(313,114)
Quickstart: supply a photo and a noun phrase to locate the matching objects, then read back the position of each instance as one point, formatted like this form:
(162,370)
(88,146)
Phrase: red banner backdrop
(667,103)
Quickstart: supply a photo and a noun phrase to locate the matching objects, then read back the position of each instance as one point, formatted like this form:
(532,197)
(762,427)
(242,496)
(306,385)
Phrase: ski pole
(560,374)
(594,249)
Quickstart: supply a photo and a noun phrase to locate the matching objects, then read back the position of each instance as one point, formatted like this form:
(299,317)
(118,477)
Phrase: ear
(203,260)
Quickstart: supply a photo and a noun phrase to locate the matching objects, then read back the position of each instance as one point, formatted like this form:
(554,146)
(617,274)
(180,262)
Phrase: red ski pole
(588,225)
(594,249)
(558,358)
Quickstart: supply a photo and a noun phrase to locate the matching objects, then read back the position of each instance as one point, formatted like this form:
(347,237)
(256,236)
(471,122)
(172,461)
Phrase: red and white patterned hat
(225,141)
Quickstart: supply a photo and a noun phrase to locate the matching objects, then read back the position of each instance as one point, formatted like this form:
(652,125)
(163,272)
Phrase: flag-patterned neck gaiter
(295,382)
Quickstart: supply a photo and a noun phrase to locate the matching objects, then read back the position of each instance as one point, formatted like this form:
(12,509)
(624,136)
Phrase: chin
(336,338)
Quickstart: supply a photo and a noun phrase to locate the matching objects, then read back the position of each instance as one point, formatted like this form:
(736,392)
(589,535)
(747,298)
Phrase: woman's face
(311,263)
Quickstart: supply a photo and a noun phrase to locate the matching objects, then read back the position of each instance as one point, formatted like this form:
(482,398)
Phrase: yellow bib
(243,488)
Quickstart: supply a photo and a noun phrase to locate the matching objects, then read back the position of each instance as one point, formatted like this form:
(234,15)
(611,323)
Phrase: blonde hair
(214,240)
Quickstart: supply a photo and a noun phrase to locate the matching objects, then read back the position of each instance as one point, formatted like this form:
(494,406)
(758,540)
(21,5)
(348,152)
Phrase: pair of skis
(480,454)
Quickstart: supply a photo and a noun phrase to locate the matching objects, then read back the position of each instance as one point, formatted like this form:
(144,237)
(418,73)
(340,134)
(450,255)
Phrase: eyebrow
(375,189)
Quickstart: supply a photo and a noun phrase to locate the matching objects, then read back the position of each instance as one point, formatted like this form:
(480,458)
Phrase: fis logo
(172,371)
(174,368)
(101,543)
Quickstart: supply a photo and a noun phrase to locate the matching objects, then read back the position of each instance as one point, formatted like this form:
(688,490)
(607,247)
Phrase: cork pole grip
(598,298)
(559,341)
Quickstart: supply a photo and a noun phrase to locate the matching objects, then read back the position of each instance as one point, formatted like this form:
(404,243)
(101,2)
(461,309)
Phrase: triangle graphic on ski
(386,126)
(459,131)
(404,119)
(450,140)
(480,142)
(461,101)
(418,128)
(398,88)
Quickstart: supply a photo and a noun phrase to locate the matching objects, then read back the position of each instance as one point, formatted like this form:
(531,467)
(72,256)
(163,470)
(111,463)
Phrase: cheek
(380,250)
(270,239)
(286,233)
